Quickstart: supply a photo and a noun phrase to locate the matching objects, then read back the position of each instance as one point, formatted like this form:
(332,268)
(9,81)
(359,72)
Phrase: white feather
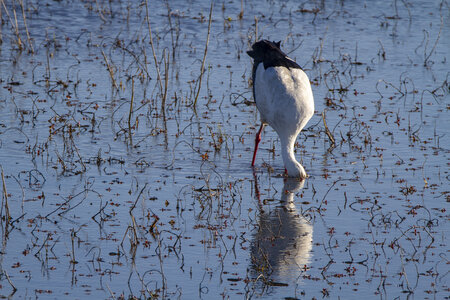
(285,101)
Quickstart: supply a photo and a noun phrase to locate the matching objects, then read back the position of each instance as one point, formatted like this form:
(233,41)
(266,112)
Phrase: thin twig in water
(111,71)
(16,27)
(131,107)
(204,56)
(153,47)
(26,26)
(427,57)
(137,199)
(166,80)
(100,12)
(5,196)
(327,131)
(111,292)
(9,281)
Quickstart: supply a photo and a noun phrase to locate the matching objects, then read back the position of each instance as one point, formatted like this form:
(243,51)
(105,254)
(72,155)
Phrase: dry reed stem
(327,131)
(111,71)
(111,292)
(9,281)
(427,57)
(241,14)
(153,46)
(134,226)
(78,154)
(131,107)
(202,70)
(166,80)
(5,195)
(13,24)
(135,241)
(72,237)
(100,12)
(26,26)
(47,80)
(16,27)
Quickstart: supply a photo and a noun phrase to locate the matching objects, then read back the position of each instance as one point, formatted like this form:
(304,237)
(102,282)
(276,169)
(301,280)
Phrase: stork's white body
(285,101)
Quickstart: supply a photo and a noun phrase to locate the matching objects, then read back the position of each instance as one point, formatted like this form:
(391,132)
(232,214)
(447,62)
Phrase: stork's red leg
(257,140)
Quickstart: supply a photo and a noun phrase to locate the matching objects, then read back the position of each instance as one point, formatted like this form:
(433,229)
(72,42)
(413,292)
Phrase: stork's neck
(287,152)
(293,167)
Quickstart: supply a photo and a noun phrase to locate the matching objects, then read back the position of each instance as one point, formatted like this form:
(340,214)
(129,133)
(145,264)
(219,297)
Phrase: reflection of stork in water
(281,248)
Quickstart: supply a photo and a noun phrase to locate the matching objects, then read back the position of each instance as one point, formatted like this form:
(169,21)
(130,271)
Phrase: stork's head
(262,49)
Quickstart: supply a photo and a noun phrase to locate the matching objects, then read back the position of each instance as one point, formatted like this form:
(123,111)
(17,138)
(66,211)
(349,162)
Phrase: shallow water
(163,202)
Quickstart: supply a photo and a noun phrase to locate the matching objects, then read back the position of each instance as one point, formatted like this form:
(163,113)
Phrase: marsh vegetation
(126,136)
